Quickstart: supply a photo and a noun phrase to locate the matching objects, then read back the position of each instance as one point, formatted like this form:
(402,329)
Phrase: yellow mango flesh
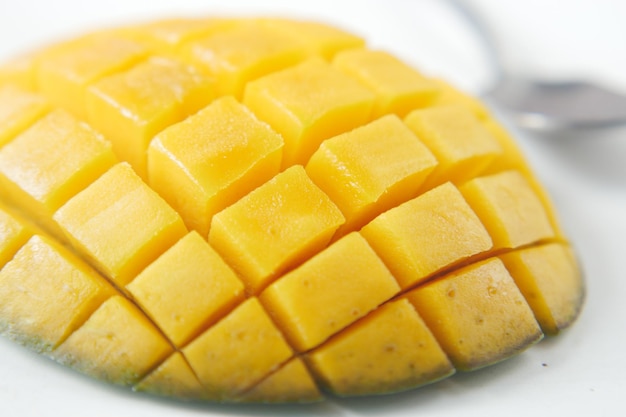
(173,378)
(291,383)
(212,159)
(46,294)
(237,352)
(398,87)
(18,71)
(117,343)
(210,288)
(371,169)
(359,361)
(265,210)
(18,110)
(274,227)
(53,160)
(65,73)
(13,234)
(548,278)
(96,220)
(513,158)
(243,53)
(401,235)
(461,144)
(509,209)
(133,106)
(316,38)
(308,103)
(478,314)
(348,278)
(170,35)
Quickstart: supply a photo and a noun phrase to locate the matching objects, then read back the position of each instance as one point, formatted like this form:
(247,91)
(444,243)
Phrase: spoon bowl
(568,104)
(544,104)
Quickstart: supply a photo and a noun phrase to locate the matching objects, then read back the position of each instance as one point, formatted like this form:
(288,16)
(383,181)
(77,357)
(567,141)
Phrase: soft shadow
(202,408)
(468,383)
(325,408)
(375,405)
(462,382)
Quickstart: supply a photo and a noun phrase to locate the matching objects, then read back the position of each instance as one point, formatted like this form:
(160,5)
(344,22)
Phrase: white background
(582,372)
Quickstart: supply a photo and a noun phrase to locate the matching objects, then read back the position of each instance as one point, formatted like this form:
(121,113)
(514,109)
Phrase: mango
(347,277)
(130,107)
(19,108)
(50,162)
(477,313)
(399,88)
(208,162)
(47,293)
(266,210)
(181,311)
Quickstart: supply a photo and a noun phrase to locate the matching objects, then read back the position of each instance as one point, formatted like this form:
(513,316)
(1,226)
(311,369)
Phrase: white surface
(581,372)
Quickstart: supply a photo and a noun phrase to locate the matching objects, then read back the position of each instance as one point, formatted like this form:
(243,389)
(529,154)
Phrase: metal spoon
(543,104)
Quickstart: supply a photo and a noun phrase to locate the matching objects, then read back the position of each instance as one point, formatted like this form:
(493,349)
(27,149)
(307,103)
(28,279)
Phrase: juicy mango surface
(266,210)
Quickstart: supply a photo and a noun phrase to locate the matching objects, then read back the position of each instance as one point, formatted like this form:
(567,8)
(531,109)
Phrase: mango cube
(291,383)
(427,234)
(242,53)
(46,293)
(478,314)
(13,234)
(308,103)
(120,224)
(172,378)
(212,159)
(509,209)
(187,289)
(360,362)
(117,344)
(18,71)
(316,38)
(513,158)
(275,227)
(329,291)
(52,161)
(132,106)
(458,140)
(18,110)
(551,281)
(371,169)
(451,96)
(66,72)
(399,88)
(238,351)
(168,36)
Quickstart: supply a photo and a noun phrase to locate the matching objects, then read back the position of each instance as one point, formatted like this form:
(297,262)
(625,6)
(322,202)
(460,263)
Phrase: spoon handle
(486,37)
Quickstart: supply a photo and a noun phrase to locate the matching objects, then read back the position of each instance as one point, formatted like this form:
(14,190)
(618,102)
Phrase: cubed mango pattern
(265,210)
